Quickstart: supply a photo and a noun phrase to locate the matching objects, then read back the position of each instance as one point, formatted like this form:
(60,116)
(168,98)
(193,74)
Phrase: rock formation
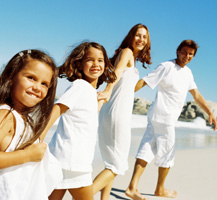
(190,110)
(140,106)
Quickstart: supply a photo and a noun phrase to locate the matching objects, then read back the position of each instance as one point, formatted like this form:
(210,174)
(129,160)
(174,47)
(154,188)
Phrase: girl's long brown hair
(71,67)
(37,116)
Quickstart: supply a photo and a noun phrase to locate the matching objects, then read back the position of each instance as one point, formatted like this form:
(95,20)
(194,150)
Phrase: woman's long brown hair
(145,55)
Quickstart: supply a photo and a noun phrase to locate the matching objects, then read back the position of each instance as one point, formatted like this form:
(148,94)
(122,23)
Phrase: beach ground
(194,177)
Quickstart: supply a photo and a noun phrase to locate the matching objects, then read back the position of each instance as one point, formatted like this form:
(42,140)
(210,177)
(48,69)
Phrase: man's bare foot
(134,194)
(166,193)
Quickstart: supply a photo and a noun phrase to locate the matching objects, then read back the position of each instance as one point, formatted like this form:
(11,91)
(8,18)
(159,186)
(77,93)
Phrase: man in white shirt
(174,79)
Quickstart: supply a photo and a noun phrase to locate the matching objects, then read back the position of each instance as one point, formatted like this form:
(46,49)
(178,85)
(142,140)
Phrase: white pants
(158,141)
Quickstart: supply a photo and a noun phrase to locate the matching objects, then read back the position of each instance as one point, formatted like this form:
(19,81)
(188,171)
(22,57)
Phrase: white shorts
(158,141)
(72,179)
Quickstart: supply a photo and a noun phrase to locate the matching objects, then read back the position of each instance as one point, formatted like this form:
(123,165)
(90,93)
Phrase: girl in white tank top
(27,88)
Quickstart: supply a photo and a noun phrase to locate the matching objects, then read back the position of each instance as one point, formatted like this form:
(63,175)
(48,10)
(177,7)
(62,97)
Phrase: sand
(194,177)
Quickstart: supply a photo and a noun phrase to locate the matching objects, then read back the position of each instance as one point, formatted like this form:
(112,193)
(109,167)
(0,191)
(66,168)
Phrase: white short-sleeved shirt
(173,84)
(73,143)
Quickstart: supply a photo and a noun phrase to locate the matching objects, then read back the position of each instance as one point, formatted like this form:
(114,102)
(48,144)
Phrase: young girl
(73,143)
(27,88)
(115,116)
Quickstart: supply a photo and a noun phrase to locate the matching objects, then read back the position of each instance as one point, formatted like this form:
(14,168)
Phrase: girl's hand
(105,95)
(36,151)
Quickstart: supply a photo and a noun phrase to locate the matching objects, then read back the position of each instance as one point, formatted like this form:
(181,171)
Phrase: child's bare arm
(32,153)
(58,109)
(100,104)
(119,68)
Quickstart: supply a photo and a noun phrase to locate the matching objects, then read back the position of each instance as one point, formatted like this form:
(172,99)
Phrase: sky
(56,26)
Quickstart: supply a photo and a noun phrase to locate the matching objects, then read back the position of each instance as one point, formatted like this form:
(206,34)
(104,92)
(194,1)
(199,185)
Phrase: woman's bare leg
(105,192)
(104,179)
(132,190)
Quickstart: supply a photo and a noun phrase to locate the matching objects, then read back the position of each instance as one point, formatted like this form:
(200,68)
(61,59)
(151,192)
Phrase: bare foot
(166,193)
(134,194)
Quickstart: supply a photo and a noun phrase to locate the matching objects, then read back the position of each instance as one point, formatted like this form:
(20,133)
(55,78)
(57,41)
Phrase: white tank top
(20,135)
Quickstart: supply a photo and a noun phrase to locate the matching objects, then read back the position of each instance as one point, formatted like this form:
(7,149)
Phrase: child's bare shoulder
(7,128)
(6,116)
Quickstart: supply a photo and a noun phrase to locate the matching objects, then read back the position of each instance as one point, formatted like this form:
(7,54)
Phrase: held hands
(103,97)
(36,151)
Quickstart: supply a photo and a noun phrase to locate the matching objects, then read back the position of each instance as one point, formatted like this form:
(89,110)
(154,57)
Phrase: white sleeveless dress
(115,122)
(32,180)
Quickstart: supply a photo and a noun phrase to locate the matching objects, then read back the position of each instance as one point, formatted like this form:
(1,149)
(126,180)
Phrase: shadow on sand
(118,196)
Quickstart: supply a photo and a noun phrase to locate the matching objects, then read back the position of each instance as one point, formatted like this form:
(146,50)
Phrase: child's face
(93,65)
(31,84)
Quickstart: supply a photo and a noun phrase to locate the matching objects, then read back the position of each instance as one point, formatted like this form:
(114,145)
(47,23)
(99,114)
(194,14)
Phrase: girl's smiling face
(31,84)
(93,65)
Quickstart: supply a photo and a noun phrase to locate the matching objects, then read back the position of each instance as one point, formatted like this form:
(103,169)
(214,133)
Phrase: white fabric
(32,180)
(173,84)
(19,136)
(73,143)
(115,123)
(73,179)
(159,141)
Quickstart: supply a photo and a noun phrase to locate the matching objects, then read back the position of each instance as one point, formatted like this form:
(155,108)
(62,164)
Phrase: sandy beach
(194,175)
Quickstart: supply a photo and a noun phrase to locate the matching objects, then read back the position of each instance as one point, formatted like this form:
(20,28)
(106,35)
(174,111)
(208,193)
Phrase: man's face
(184,56)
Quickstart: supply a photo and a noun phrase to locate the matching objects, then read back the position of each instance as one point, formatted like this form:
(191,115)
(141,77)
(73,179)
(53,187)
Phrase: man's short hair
(189,43)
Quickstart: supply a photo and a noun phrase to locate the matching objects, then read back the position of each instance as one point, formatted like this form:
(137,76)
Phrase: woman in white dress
(115,116)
